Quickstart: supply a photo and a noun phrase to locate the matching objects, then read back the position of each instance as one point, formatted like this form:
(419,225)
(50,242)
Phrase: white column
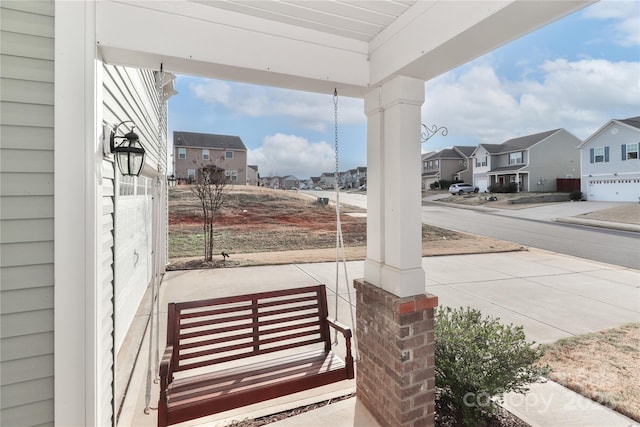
(77,156)
(394,237)
(375,195)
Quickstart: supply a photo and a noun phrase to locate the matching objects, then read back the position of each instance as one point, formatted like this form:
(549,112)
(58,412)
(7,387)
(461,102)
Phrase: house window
(481,161)
(205,154)
(436,163)
(515,158)
(629,151)
(228,154)
(231,174)
(182,153)
(598,155)
(191,173)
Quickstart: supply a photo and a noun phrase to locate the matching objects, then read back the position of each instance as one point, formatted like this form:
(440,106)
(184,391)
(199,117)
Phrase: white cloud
(292,155)
(308,110)
(625,26)
(579,96)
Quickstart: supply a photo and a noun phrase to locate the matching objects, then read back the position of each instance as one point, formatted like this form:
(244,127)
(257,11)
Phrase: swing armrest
(166,372)
(346,331)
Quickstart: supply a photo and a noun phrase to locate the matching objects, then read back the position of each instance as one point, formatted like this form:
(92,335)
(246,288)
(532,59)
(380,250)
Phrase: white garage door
(481,183)
(133,266)
(613,190)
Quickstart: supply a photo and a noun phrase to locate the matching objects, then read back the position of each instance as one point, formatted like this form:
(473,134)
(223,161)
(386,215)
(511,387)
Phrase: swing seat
(225,353)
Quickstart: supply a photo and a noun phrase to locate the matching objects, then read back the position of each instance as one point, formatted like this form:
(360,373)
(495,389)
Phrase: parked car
(461,188)
(363,187)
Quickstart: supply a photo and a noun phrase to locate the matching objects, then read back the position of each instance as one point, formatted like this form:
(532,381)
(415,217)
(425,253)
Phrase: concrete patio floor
(553,296)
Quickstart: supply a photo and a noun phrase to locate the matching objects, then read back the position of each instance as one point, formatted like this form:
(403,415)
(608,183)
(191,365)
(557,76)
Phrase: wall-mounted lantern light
(129,153)
(171,180)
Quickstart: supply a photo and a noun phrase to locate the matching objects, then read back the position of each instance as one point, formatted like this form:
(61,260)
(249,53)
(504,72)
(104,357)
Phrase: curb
(611,225)
(620,226)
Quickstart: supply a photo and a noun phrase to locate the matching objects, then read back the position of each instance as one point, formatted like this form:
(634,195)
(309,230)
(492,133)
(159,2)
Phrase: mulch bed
(504,419)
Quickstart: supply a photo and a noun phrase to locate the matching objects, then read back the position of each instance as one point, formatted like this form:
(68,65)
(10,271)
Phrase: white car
(462,188)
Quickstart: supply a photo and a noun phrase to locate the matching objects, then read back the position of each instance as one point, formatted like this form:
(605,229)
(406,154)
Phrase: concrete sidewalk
(553,296)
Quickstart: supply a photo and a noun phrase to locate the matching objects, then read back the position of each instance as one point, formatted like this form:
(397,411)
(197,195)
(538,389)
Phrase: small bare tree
(210,188)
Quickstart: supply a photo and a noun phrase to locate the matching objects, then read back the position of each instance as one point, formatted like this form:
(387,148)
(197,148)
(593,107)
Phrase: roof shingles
(207,140)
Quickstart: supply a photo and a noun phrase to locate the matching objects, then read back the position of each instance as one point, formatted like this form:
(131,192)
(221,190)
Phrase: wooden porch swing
(263,345)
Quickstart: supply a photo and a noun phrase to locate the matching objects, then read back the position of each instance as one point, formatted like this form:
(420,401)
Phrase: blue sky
(577,73)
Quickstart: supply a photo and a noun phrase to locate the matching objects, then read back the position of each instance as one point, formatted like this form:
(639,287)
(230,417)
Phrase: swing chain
(335,120)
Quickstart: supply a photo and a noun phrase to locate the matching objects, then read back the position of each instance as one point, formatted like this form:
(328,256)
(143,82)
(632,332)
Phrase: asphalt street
(531,227)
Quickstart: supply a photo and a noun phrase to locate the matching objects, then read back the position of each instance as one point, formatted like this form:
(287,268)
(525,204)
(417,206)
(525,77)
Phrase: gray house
(533,162)
(253,176)
(289,182)
(451,164)
(610,164)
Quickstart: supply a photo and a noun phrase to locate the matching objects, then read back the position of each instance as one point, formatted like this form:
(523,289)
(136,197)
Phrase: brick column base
(396,370)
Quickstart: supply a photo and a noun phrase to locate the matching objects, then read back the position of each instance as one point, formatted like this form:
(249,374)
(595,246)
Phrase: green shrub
(478,359)
(510,187)
(494,188)
(575,195)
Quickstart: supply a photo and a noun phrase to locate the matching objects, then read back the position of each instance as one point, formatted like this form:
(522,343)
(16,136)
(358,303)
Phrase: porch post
(394,315)
(394,240)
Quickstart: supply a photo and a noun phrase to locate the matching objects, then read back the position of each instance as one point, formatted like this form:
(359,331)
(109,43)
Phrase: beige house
(194,151)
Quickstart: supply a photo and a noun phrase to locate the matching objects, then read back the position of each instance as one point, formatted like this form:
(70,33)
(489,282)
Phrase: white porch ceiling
(314,45)
(354,19)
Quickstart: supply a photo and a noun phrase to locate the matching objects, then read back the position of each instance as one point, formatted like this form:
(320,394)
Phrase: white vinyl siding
(129,94)
(26,213)
(106,291)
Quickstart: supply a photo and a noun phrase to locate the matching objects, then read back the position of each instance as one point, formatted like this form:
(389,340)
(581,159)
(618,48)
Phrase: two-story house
(609,162)
(289,182)
(272,182)
(327,180)
(451,164)
(533,162)
(194,151)
(361,175)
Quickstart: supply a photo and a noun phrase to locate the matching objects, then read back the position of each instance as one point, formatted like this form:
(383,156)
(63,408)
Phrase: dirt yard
(260,226)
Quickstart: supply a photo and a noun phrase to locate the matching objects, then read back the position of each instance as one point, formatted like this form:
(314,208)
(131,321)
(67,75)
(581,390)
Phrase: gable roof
(207,140)
(445,153)
(456,152)
(631,121)
(517,144)
(466,150)
(524,142)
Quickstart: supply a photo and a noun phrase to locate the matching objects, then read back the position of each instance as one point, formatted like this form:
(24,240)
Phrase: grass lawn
(604,366)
